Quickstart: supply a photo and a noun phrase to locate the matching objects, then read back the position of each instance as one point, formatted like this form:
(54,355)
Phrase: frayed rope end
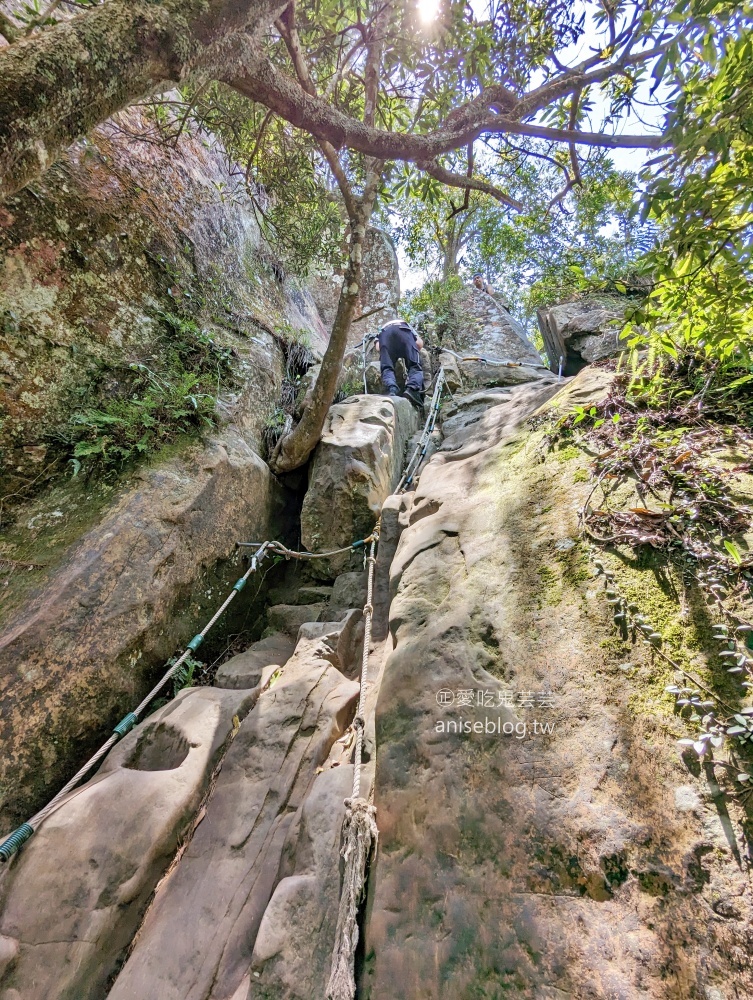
(360,835)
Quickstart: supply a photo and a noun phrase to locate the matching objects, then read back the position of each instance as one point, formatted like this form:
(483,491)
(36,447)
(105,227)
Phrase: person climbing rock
(482,284)
(398,339)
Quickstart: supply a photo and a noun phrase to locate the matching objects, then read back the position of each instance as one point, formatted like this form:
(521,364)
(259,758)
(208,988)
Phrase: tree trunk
(58,84)
(294,449)
(450,259)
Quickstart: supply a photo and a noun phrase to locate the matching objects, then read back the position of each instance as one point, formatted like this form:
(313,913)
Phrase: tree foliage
(702,193)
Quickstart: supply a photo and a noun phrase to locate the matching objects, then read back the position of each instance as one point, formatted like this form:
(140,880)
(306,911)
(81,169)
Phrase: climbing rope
(494,361)
(263,549)
(360,832)
(419,452)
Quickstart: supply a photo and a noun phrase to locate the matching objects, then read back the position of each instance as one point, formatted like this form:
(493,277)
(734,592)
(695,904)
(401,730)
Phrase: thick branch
(462,181)
(263,82)
(58,84)
(8,29)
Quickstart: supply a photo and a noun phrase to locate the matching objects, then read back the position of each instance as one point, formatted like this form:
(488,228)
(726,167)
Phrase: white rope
(360,832)
(420,450)
(494,361)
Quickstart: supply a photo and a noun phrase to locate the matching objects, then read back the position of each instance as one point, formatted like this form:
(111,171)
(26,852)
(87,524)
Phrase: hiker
(482,284)
(398,339)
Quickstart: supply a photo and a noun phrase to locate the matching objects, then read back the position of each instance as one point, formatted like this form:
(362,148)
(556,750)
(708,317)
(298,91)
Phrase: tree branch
(439,172)
(98,63)
(263,82)
(8,29)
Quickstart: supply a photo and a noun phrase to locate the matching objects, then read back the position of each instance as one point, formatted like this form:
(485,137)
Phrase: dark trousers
(397,341)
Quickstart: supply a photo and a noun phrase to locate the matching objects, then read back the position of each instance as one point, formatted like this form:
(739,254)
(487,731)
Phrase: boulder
(72,899)
(349,590)
(487,330)
(582,331)
(356,465)
(197,939)
(245,669)
(130,592)
(288,618)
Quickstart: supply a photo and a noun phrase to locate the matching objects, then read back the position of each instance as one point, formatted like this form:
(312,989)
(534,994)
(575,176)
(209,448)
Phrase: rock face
(267,813)
(88,642)
(582,331)
(356,465)
(119,234)
(488,330)
(95,862)
(380,287)
(539,836)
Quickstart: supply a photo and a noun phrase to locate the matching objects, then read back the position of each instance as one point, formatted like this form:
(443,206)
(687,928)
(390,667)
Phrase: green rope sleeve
(126,724)
(11,844)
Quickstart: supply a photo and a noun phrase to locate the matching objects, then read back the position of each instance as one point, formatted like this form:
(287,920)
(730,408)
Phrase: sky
(650,112)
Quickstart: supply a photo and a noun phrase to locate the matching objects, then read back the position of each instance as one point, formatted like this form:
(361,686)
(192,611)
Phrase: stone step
(288,618)
(312,594)
(245,669)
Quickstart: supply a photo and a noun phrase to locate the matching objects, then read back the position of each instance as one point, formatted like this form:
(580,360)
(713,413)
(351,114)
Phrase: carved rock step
(72,899)
(288,618)
(245,669)
(198,937)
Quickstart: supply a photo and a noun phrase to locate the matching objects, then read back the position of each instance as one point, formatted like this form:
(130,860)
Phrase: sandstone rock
(529,863)
(349,590)
(288,618)
(88,642)
(357,463)
(341,641)
(116,233)
(488,330)
(314,594)
(227,875)
(115,236)
(452,374)
(72,899)
(582,331)
(292,956)
(245,669)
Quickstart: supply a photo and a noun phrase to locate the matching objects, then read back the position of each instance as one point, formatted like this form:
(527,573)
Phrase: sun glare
(428,10)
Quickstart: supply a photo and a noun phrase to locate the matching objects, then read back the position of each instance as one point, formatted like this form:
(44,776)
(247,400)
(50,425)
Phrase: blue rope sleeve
(11,844)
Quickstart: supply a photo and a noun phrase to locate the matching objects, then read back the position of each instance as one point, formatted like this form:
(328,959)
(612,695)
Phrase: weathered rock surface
(379,297)
(356,465)
(118,232)
(288,618)
(537,862)
(245,669)
(488,330)
(70,903)
(227,875)
(582,331)
(349,591)
(86,645)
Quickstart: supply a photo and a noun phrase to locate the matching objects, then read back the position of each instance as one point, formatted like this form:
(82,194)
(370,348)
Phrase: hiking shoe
(393,391)
(414,397)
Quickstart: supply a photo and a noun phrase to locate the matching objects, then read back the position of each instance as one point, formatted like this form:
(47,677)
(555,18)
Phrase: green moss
(581,476)
(567,453)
